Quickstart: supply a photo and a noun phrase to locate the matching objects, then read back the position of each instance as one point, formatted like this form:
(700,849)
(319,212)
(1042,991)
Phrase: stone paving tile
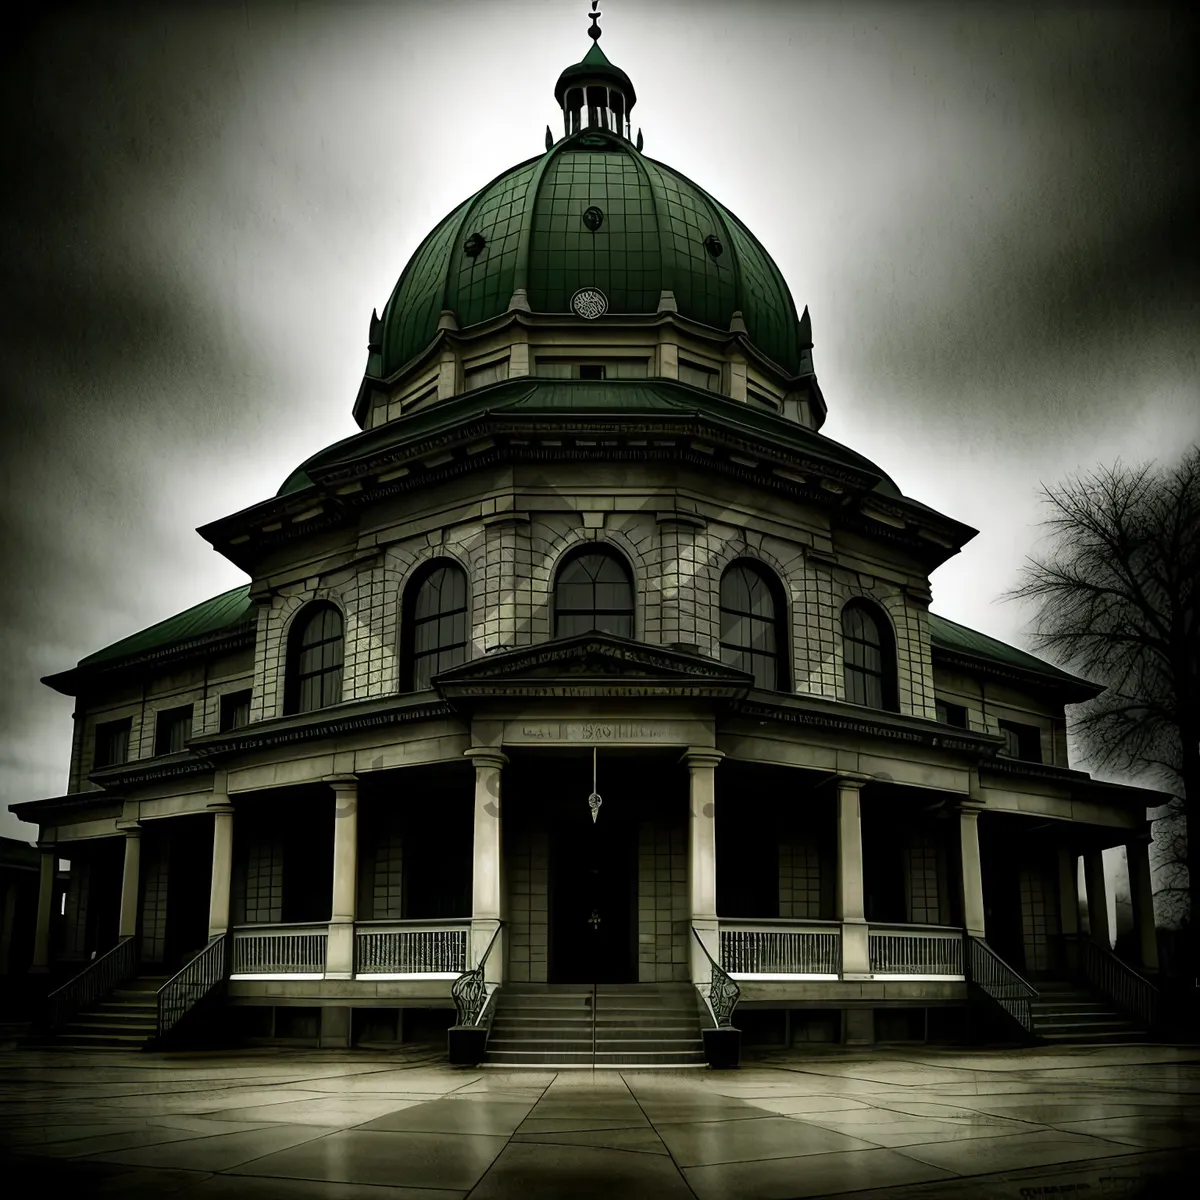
(342,1110)
(430,1160)
(218,1153)
(247,1187)
(1012,1151)
(451,1115)
(641,1139)
(702,1143)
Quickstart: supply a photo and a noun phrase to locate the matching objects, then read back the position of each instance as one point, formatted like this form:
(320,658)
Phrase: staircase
(1067,1011)
(126,1019)
(628,1025)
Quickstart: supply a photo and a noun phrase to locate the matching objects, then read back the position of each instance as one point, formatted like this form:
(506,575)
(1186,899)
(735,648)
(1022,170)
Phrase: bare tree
(1116,600)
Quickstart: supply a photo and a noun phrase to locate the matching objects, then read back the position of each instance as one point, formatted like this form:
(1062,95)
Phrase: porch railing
(411,948)
(781,948)
(279,949)
(470,991)
(93,983)
(184,990)
(1129,991)
(915,950)
(987,971)
(723,992)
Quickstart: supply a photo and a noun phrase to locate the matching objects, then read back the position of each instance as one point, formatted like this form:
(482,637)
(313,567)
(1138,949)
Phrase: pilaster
(856,961)
(339,954)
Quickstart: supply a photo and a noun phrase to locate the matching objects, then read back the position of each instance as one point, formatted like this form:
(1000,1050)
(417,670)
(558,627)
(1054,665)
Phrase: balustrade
(924,950)
(782,949)
(279,950)
(404,948)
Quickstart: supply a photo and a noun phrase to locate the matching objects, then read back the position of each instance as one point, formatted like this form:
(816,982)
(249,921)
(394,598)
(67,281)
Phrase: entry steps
(631,1025)
(126,1019)
(1067,1012)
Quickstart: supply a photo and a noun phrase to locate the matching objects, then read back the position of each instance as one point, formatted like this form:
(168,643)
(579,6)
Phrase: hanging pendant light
(594,800)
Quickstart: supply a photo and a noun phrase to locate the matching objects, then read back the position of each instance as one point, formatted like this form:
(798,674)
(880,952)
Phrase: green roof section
(221,613)
(659,232)
(959,639)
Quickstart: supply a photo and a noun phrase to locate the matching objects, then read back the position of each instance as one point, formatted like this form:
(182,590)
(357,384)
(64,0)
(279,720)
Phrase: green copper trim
(521,274)
(666,246)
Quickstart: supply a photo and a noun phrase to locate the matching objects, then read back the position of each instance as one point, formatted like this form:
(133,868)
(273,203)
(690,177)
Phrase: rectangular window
(172,729)
(235,710)
(1021,741)
(611,368)
(477,377)
(951,714)
(698,376)
(112,743)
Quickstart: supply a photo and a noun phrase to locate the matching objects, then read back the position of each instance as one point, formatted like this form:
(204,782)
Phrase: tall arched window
(435,624)
(593,591)
(868,657)
(752,631)
(315,649)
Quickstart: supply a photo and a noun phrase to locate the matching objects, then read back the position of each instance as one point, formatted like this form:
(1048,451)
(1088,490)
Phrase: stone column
(1097,898)
(487,872)
(339,955)
(127,926)
(222,865)
(702,860)
(972,872)
(851,912)
(45,908)
(1141,892)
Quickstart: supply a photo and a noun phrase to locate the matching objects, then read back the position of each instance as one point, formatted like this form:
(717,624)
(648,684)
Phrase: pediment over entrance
(593,664)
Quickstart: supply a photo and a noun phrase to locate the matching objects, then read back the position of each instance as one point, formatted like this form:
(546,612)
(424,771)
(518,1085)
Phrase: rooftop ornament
(594,95)
(594,800)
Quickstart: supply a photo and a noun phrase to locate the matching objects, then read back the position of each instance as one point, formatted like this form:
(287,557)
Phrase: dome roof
(658,231)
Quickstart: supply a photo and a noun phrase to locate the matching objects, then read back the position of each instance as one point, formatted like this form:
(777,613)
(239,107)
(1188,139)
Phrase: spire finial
(594,32)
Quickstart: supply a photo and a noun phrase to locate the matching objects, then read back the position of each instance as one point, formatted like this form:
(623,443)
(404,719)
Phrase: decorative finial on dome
(594,32)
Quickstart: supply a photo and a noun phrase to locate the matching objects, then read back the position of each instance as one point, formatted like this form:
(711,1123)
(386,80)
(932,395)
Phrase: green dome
(659,232)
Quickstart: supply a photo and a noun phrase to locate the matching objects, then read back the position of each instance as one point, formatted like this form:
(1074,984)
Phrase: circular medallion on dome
(589,303)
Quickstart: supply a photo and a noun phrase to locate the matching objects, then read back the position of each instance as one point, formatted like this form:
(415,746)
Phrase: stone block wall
(663,917)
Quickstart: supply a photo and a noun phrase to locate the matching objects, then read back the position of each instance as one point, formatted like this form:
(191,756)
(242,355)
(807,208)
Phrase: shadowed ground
(368,1126)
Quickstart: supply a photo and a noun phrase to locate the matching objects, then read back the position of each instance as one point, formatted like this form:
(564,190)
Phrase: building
(588,661)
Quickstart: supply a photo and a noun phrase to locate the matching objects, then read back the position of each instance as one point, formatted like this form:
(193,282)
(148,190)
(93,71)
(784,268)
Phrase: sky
(989,210)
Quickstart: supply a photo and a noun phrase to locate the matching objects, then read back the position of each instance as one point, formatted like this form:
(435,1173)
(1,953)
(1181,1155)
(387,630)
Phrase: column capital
(131,829)
(486,756)
(343,783)
(47,847)
(852,780)
(967,806)
(219,806)
(701,756)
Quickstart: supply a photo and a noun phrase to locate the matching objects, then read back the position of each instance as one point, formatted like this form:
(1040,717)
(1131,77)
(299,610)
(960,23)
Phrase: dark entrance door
(593,885)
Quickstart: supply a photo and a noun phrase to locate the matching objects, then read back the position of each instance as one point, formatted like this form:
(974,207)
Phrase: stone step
(106,1021)
(1082,1039)
(105,1038)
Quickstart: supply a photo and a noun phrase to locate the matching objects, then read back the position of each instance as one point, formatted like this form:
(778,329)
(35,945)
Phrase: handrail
(723,992)
(1131,992)
(1000,983)
(187,987)
(94,982)
(778,922)
(469,990)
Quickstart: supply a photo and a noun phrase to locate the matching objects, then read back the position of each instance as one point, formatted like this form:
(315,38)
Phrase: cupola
(592,93)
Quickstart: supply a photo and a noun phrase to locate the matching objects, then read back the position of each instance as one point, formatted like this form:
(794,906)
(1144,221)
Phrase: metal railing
(411,948)
(723,992)
(469,989)
(915,950)
(184,990)
(93,983)
(781,948)
(1132,993)
(279,949)
(988,972)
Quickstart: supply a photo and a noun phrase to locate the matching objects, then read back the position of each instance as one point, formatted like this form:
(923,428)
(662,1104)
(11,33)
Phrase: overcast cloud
(991,212)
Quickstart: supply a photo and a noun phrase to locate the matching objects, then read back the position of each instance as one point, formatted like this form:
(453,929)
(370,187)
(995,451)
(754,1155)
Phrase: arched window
(315,648)
(868,657)
(752,633)
(593,591)
(435,624)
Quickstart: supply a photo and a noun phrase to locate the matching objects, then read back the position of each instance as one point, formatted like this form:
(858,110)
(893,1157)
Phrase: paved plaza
(291,1124)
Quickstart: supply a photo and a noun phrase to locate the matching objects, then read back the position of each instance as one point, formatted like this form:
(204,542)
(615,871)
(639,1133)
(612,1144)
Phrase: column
(1097,897)
(222,865)
(45,908)
(856,960)
(339,954)
(487,882)
(1141,892)
(127,927)
(1068,906)
(972,872)
(702,860)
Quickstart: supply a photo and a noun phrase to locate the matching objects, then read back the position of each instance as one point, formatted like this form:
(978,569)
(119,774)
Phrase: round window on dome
(713,245)
(474,245)
(593,217)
